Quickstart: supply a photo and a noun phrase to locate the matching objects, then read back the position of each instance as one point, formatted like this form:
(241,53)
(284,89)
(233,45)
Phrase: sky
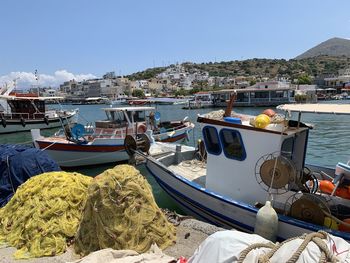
(80,39)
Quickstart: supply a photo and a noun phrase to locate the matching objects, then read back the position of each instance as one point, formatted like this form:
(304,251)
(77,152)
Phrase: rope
(48,146)
(316,237)
(246,251)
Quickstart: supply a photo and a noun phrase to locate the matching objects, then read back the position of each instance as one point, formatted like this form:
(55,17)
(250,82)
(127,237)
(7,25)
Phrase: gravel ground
(190,234)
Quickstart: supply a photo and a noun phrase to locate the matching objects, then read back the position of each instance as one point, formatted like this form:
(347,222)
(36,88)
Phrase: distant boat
(23,112)
(159,101)
(119,101)
(104,143)
(139,102)
(200,100)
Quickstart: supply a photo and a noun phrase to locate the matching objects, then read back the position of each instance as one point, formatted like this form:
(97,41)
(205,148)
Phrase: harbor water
(328,142)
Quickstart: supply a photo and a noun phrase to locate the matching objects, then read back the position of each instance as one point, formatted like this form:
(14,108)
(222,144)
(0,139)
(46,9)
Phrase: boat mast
(37,81)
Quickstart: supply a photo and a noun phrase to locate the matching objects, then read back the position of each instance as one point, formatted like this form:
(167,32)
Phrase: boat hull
(75,155)
(214,208)
(16,125)
(174,135)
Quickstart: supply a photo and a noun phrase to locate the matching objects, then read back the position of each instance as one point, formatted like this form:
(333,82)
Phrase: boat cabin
(247,156)
(122,117)
(255,162)
(25,106)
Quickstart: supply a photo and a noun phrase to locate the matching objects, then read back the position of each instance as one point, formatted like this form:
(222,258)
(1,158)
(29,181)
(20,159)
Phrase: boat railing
(12,116)
(39,115)
(112,133)
(22,115)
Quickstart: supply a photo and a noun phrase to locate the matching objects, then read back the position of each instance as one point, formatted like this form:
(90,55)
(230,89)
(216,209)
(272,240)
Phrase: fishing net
(44,214)
(121,213)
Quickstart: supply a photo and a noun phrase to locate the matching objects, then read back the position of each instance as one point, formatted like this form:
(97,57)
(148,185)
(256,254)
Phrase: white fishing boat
(23,112)
(104,143)
(246,162)
(200,100)
(120,100)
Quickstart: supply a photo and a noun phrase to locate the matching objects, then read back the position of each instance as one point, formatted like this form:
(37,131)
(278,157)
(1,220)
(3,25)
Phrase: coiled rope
(316,237)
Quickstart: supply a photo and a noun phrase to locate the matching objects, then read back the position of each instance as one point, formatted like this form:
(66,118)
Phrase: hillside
(335,47)
(261,67)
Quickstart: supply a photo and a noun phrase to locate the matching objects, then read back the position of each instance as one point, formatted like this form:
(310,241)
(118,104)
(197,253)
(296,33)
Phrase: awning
(343,109)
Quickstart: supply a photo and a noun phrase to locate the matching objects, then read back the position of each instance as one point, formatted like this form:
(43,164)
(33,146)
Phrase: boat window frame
(286,154)
(244,152)
(218,139)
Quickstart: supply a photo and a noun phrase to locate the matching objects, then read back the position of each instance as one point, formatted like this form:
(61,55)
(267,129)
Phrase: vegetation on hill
(146,74)
(326,58)
(259,68)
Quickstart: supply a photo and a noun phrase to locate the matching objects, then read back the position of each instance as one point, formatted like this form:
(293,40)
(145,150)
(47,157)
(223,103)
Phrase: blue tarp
(17,164)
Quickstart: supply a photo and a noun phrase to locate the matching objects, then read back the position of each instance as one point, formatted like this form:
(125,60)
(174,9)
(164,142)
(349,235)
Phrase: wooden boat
(104,143)
(246,164)
(23,112)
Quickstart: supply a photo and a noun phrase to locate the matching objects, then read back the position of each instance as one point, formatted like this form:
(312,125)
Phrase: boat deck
(193,170)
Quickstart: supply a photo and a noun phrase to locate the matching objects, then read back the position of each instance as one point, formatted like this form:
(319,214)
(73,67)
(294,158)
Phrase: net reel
(312,208)
(275,171)
(140,142)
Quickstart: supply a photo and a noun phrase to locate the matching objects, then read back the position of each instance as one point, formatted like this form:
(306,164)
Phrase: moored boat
(200,100)
(104,143)
(248,162)
(23,112)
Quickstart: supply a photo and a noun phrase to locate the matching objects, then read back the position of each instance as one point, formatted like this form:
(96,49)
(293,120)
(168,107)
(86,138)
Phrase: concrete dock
(189,235)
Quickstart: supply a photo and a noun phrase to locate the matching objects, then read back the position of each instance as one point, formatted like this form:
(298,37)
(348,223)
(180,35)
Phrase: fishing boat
(200,100)
(104,142)
(120,100)
(245,161)
(25,111)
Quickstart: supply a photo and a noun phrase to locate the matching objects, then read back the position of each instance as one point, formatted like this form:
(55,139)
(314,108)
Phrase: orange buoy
(269,112)
(327,187)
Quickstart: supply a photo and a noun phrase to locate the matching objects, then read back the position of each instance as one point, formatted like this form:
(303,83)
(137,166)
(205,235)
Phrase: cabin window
(211,140)
(139,116)
(232,144)
(287,147)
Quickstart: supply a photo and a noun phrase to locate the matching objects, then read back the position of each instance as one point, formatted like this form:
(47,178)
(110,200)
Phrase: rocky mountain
(335,47)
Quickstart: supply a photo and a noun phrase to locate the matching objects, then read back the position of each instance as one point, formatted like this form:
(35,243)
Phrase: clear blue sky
(84,36)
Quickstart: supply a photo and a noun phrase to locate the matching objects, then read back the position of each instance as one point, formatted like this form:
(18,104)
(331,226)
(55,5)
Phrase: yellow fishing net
(44,214)
(121,213)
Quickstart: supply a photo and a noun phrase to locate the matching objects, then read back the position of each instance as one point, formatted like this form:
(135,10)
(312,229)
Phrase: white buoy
(266,224)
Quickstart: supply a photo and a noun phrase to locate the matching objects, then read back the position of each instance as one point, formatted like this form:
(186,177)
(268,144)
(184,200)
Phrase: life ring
(23,122)
(46,120)
(141,128)
(3,122)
